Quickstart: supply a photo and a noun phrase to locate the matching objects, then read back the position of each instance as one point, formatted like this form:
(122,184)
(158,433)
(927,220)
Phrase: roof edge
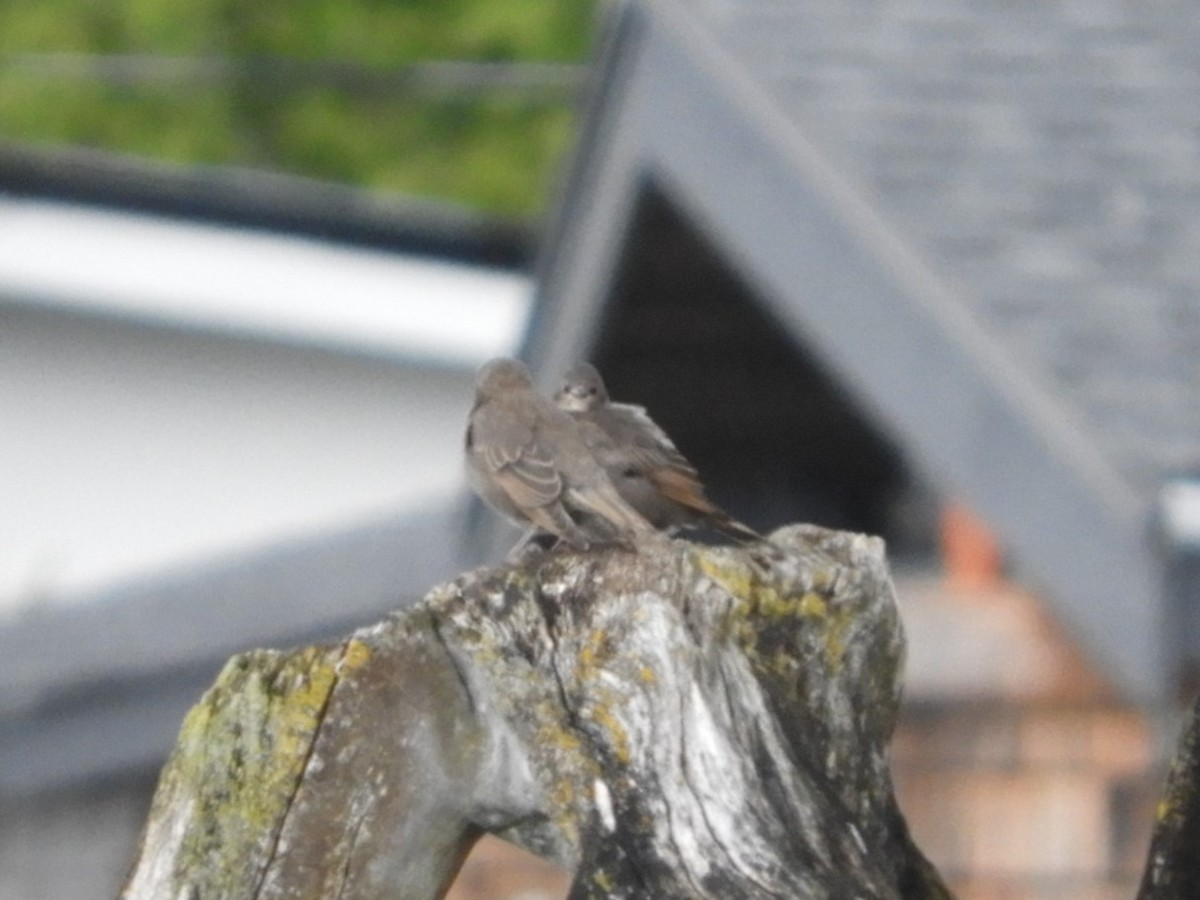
(263,200)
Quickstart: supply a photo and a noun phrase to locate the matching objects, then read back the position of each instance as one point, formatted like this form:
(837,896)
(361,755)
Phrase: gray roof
(984,218)
(1044,159)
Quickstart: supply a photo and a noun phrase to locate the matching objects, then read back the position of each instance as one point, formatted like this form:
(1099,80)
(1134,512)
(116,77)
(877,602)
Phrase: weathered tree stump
(681,722)
(1173,869)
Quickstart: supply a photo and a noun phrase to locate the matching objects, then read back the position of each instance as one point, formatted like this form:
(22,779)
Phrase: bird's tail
(605,502)
(685,489)
(727,525)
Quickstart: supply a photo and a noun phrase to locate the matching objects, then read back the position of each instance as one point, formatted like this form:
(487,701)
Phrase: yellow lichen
(835,643)
(823,578)
(603,880)
(603,716)
(767,602)
(565,807)
(243,748)
(357,655)
(591,653)
(737,580)
(559,738)
(561,755)
(564,795)
(784,663)
(813,604)
(756,598)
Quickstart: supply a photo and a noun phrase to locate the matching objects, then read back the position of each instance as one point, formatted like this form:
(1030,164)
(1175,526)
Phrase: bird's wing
(648,446)
(682,487)
(652,455)
(507,448)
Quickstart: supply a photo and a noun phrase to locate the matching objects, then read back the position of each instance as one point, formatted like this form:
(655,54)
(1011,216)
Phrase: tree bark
(1173,869)
(683,721)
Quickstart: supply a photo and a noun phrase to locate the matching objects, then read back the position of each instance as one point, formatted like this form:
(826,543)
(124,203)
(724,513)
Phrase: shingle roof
(1044,159)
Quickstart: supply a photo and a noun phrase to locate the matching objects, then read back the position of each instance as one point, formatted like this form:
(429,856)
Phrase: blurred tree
(378,93)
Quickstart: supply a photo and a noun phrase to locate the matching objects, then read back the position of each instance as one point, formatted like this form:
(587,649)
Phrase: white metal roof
(129,449)
(269,286)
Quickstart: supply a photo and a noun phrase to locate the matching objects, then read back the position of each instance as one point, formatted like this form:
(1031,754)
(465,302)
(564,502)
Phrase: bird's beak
(572,398)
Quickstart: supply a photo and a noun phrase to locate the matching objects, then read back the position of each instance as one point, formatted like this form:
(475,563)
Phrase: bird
(641,460)
(528,460)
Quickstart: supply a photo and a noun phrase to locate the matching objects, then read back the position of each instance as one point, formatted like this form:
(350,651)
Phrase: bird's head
(500,375)
(582,389)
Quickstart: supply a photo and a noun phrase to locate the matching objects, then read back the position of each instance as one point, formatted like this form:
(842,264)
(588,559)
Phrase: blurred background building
(923,269)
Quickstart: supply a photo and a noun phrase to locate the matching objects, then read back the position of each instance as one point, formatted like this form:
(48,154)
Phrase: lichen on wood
(684,721)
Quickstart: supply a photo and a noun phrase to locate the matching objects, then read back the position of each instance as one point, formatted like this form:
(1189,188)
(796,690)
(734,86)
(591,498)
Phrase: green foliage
(495,151)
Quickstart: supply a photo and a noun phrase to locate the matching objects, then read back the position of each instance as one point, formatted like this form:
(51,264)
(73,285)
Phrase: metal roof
(263,285)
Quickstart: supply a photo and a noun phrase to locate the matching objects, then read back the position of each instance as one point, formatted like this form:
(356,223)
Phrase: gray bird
(644,464)
(528,460)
